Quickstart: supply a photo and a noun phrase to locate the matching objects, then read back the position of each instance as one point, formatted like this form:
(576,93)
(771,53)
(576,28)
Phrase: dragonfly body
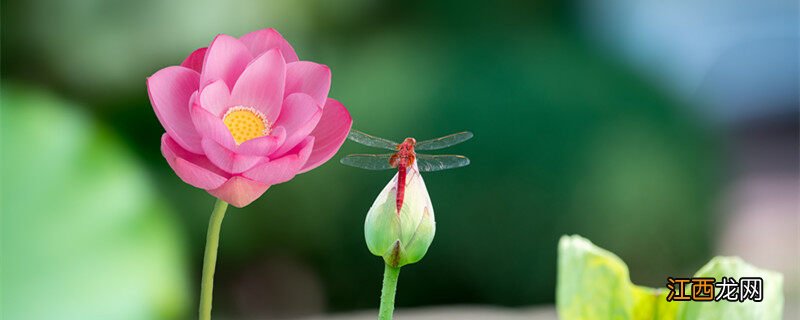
(402,160)
(404,156)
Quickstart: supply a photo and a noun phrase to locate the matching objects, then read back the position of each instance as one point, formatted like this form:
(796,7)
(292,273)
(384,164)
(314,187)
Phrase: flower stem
(210,259)
(390,275)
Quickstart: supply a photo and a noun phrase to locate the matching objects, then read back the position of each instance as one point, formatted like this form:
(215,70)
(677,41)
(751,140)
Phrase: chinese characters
(708,289)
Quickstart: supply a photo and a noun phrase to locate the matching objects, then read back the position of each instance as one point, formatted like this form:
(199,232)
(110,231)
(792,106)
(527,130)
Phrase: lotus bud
(401,237)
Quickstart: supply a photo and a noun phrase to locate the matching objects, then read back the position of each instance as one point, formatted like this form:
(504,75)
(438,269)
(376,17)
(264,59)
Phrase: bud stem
(210,259)
(390,275)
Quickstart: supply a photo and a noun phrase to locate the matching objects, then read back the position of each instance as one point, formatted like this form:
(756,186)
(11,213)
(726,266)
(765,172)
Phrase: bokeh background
(665,131)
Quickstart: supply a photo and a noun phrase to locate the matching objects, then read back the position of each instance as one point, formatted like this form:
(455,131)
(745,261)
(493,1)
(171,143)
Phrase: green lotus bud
(401,237)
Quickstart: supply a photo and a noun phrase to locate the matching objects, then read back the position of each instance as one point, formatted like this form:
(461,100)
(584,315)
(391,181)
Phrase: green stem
(210,259)
(390,275)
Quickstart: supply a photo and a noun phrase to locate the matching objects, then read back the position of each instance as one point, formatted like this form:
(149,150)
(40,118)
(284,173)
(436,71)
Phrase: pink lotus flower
(245,114)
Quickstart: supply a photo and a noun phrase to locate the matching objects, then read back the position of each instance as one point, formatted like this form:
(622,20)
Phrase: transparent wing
(368,161)
(371,141)
(428,163)
(444,142)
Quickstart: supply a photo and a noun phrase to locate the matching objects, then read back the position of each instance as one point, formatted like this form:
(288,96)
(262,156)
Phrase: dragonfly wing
(444,142)
(371,141)
(368,161)
(428,163)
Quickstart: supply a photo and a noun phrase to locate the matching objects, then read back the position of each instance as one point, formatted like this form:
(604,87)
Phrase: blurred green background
(601,119)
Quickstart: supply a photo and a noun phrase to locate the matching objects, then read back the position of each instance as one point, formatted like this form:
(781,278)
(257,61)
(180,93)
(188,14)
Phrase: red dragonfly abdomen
(401,187)
(403,159)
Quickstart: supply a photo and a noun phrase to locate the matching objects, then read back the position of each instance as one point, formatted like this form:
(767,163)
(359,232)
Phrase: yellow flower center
(246,123)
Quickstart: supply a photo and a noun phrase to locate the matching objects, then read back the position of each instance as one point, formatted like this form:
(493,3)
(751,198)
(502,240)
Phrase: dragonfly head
(410,141)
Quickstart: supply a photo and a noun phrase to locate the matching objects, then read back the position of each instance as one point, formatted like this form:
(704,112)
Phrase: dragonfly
(404,156)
